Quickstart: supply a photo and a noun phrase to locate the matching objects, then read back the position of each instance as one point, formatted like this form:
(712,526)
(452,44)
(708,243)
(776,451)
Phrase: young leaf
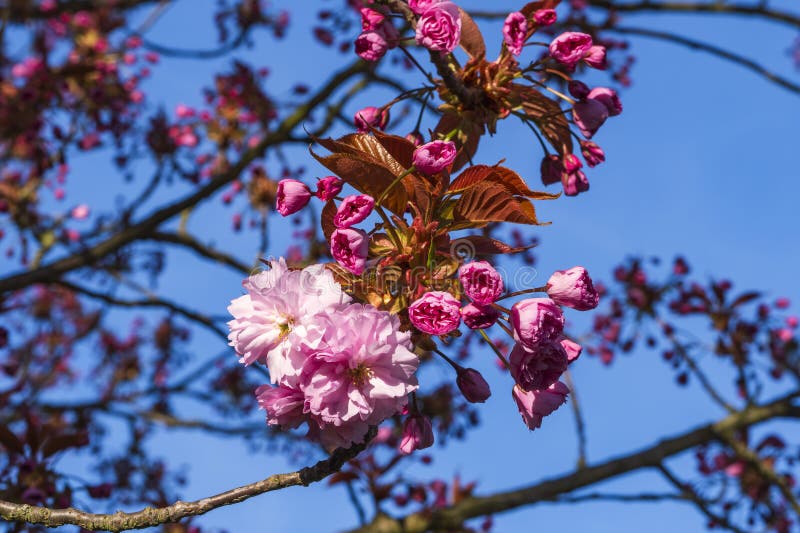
(548,115)
(367,177)
(471,37)
(488,202)
(505,176)
(400,148)
(10,441)
(482,245)
(326,219)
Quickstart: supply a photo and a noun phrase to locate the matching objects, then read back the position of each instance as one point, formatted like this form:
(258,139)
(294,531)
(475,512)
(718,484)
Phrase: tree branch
(702,505)
(173,307)
(25,11)
(452,517)
(644,6)
(718,8)
(188,241)
(711,49)
(150,517)
(148,225)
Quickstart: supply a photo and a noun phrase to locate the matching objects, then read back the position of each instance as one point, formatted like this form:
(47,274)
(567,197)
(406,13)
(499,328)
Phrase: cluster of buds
(406,268)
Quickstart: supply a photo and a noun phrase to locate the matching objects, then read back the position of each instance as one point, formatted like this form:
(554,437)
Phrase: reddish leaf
(63,442)
(482,245)
(368,144)
(342,477)
(744,298)
(532,7)
(507,177)
(400,148)
(10,441)
(471,37)
(548,115)
(367,177)
(326,219)
(488,201)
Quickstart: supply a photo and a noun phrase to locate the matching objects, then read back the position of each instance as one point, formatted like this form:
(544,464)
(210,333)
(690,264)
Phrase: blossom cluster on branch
(400,281)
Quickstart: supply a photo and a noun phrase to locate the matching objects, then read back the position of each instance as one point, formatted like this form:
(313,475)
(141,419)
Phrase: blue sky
(702,162)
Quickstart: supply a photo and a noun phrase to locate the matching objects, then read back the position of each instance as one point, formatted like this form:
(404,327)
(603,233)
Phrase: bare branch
(645,6)
(150,517)
(718,8)
(701,504)
(147,226)
(452,517)
(188,241)
(711,49)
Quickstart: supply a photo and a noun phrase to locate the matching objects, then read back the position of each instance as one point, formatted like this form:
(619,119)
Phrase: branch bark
(453,517)
(150,517)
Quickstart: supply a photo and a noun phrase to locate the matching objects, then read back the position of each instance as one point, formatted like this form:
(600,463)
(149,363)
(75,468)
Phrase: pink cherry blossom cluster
(438,28)
(540,354)
(337,366)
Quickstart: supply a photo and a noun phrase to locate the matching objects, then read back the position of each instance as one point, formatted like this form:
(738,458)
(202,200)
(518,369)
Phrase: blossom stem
(455,365)
(501,308)
(526,120)
(392,185)
(506,329)
(413,59)
(391,231)
(495,348)
(549,89)
(526,291)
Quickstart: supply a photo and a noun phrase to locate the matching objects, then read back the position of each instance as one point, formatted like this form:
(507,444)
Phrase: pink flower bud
(184,111)
(371,117)
(574,183)
(416,138)
(371,45)
(572,163)
(481,282)
(472,385)
(417,434)
(476,316)
(370,19)
(596,57)
(435,313)
(551,169)
(536,320)
(572,348)
(578,89)
(515,31)
(539,367)
(350,247)
(592,153)
(570,47)
(439,27)
(573,288)
(589,115)
(420,6)
(353,210)
(80,212)
(545,17)
(328,187)
(608,97)
(293,195)
(434,157)
(534,406)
